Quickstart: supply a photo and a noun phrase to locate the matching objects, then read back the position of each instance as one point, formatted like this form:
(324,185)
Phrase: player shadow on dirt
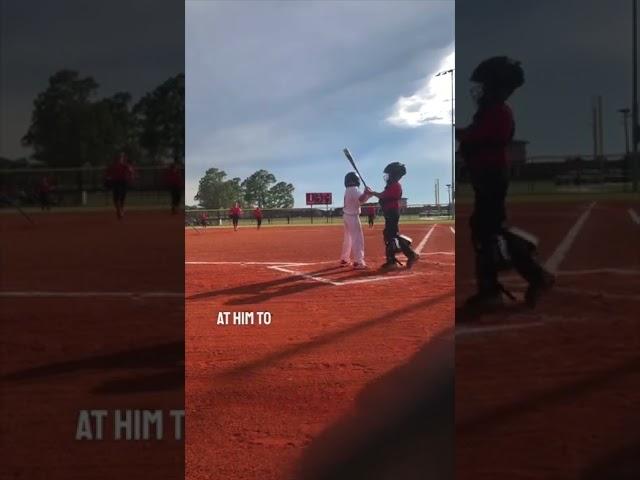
(622,464)
(402,426)
(480,423)
(264,291)
(271,358)
(168,358)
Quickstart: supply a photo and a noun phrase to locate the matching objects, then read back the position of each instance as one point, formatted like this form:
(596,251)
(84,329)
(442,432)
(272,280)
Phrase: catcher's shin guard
(391,248)
(404,245)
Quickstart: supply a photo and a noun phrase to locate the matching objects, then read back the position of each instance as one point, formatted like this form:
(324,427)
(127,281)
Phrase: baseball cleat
(412,260)
(360,266)
(344,263)
(536,289)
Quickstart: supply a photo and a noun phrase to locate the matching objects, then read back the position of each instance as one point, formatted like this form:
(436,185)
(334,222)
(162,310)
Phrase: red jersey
(120,172)
(45,186)
(484,142)
(371,210)
(390,197)
(235,211)
(173,177)
(257,213)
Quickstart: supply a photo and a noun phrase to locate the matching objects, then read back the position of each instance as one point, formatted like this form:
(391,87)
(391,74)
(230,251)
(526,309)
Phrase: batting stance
(390,203)
(353,243)
(483,145)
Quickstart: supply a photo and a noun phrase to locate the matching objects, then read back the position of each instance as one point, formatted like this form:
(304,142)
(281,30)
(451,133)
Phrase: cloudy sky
(125,46)
(570,50)
(285,86)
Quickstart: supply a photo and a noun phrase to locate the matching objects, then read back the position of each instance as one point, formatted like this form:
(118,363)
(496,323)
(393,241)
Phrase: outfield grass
(336,223)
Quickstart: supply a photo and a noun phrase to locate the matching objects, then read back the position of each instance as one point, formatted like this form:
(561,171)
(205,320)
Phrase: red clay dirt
(305,393)
(80,331)
(553,393)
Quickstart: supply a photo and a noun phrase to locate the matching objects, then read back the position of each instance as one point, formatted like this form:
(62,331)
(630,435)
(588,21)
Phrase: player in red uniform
(44,189)
(118,178)
(175,184)
(371,215)
(390,202)
(234,214)
(483,145)
(204,219)
(257,214)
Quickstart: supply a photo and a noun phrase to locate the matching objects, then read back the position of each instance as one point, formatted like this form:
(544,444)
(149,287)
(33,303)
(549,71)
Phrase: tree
(256,187)
(160,120)
(61,131)
(280,196)
(214,191)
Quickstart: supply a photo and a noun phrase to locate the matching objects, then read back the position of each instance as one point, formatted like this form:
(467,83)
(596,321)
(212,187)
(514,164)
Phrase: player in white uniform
(353,244)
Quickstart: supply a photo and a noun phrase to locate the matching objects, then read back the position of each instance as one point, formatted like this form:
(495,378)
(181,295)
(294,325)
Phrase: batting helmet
(395,171)
(499,73)
(351,180)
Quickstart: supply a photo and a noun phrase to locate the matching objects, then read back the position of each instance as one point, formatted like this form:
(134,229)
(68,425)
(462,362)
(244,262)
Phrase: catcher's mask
(394,172)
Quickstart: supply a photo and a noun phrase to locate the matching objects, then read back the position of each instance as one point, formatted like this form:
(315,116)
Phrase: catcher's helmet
(396,171)
(351,180)
(499,72)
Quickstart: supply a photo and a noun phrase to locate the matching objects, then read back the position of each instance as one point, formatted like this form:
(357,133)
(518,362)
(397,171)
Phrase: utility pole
(634,100)
(625,120)
(453,136)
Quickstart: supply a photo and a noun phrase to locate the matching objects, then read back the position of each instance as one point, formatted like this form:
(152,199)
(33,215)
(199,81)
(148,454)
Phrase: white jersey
(352,201)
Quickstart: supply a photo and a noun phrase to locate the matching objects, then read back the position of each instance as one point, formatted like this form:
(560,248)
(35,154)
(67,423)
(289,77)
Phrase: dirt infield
(92,318)
(553,393)
(266,401)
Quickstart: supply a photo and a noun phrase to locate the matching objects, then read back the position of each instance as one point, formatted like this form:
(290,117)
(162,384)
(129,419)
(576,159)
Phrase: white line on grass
(561,251)
(634,216)
(424,241)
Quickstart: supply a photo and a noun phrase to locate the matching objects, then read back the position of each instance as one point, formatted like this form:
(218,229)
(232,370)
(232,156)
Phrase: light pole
(450,206)
(453,140)
(634,101)
(625,118)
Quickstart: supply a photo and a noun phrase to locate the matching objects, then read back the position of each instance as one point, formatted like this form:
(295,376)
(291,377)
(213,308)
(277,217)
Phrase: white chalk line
(304,275)
(562,249)
(478,329)
(424,241)
(300,264)
(634,216)
(338,283)
(453,230)
(89,294)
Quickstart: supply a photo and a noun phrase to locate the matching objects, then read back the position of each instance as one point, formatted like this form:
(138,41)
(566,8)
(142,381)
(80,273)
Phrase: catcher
(389,200)
(483,145)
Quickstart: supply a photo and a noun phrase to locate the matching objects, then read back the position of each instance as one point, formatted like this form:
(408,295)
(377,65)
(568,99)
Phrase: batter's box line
(377,278)
(285,264)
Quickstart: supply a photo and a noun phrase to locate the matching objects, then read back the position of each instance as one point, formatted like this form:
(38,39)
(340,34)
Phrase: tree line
(261,188)
(70,126)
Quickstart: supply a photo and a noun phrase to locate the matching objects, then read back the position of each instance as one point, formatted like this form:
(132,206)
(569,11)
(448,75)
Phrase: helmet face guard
(498,77)
(394,172)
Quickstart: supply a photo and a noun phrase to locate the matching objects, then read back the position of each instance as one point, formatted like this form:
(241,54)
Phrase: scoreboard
(319,199)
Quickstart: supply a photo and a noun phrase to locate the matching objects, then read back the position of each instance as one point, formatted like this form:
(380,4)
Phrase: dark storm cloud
(124,45)
(571,50)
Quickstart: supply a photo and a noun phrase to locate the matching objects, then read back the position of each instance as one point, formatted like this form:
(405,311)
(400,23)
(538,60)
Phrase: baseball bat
(347,154)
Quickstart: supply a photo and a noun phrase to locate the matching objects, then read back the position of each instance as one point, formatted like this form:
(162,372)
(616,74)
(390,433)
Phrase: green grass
(322,223)
(532,192)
